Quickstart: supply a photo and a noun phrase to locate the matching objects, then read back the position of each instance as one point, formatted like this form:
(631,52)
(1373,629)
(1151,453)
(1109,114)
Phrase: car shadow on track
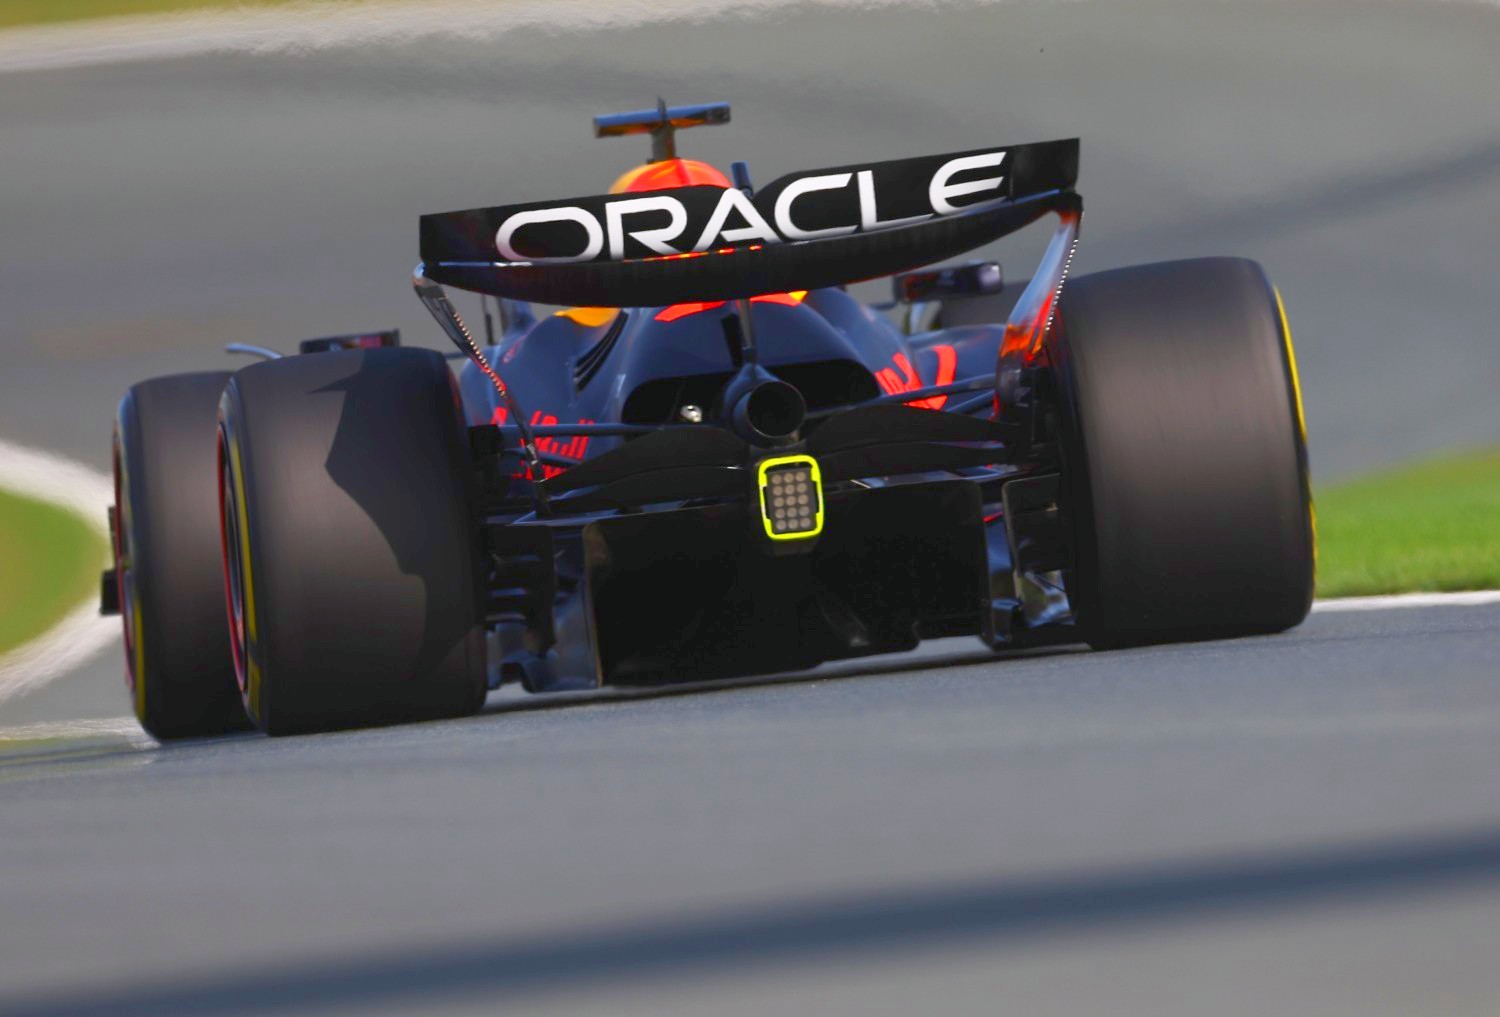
(907,663)
(878,923)
(62,753)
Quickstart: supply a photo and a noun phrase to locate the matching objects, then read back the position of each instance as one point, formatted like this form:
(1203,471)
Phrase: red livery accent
(676,311)
(904,378)
(683,310)
(575,447)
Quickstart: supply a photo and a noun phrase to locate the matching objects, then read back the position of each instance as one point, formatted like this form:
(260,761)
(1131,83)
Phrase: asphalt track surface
(1307,823)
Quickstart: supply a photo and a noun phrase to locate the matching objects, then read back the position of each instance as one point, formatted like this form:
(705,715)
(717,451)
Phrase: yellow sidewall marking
(137,639)
(136,621)
(1291,360)
(242,523)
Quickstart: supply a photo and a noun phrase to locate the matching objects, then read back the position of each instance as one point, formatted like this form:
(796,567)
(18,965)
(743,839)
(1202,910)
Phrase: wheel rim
(124,579)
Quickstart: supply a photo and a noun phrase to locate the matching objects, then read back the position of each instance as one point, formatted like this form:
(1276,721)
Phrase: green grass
(33,12)
(49,562)
(1434,525)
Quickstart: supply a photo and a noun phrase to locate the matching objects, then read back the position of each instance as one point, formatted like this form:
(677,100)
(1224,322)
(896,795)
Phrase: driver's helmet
(658,176)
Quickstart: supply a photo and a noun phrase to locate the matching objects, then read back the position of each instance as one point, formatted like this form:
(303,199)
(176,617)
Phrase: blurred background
(1056,835)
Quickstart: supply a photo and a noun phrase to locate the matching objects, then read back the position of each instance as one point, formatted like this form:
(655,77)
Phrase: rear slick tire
(167,559)
(1185,454)
(351,538)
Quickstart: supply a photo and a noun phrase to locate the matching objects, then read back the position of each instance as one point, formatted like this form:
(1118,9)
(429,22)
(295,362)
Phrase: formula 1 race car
(713,461)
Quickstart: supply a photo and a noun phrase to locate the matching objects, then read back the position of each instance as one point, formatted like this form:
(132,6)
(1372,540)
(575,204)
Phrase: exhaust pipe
(763,409)
(771,411)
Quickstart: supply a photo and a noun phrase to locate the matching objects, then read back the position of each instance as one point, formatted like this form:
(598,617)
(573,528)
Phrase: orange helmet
(657,176)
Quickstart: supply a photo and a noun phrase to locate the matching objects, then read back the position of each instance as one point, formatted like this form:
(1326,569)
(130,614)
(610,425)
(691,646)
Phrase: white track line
(78,730)
(1469,598)
(82,633)
(313,25)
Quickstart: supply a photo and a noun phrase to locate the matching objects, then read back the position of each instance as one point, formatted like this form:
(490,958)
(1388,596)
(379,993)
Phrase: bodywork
(625,528)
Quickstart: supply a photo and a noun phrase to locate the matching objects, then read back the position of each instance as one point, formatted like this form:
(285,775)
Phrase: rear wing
(803,231)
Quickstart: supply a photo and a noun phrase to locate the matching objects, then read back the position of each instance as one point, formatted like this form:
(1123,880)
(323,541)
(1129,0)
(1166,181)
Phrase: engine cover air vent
(822,383)
(588,365)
